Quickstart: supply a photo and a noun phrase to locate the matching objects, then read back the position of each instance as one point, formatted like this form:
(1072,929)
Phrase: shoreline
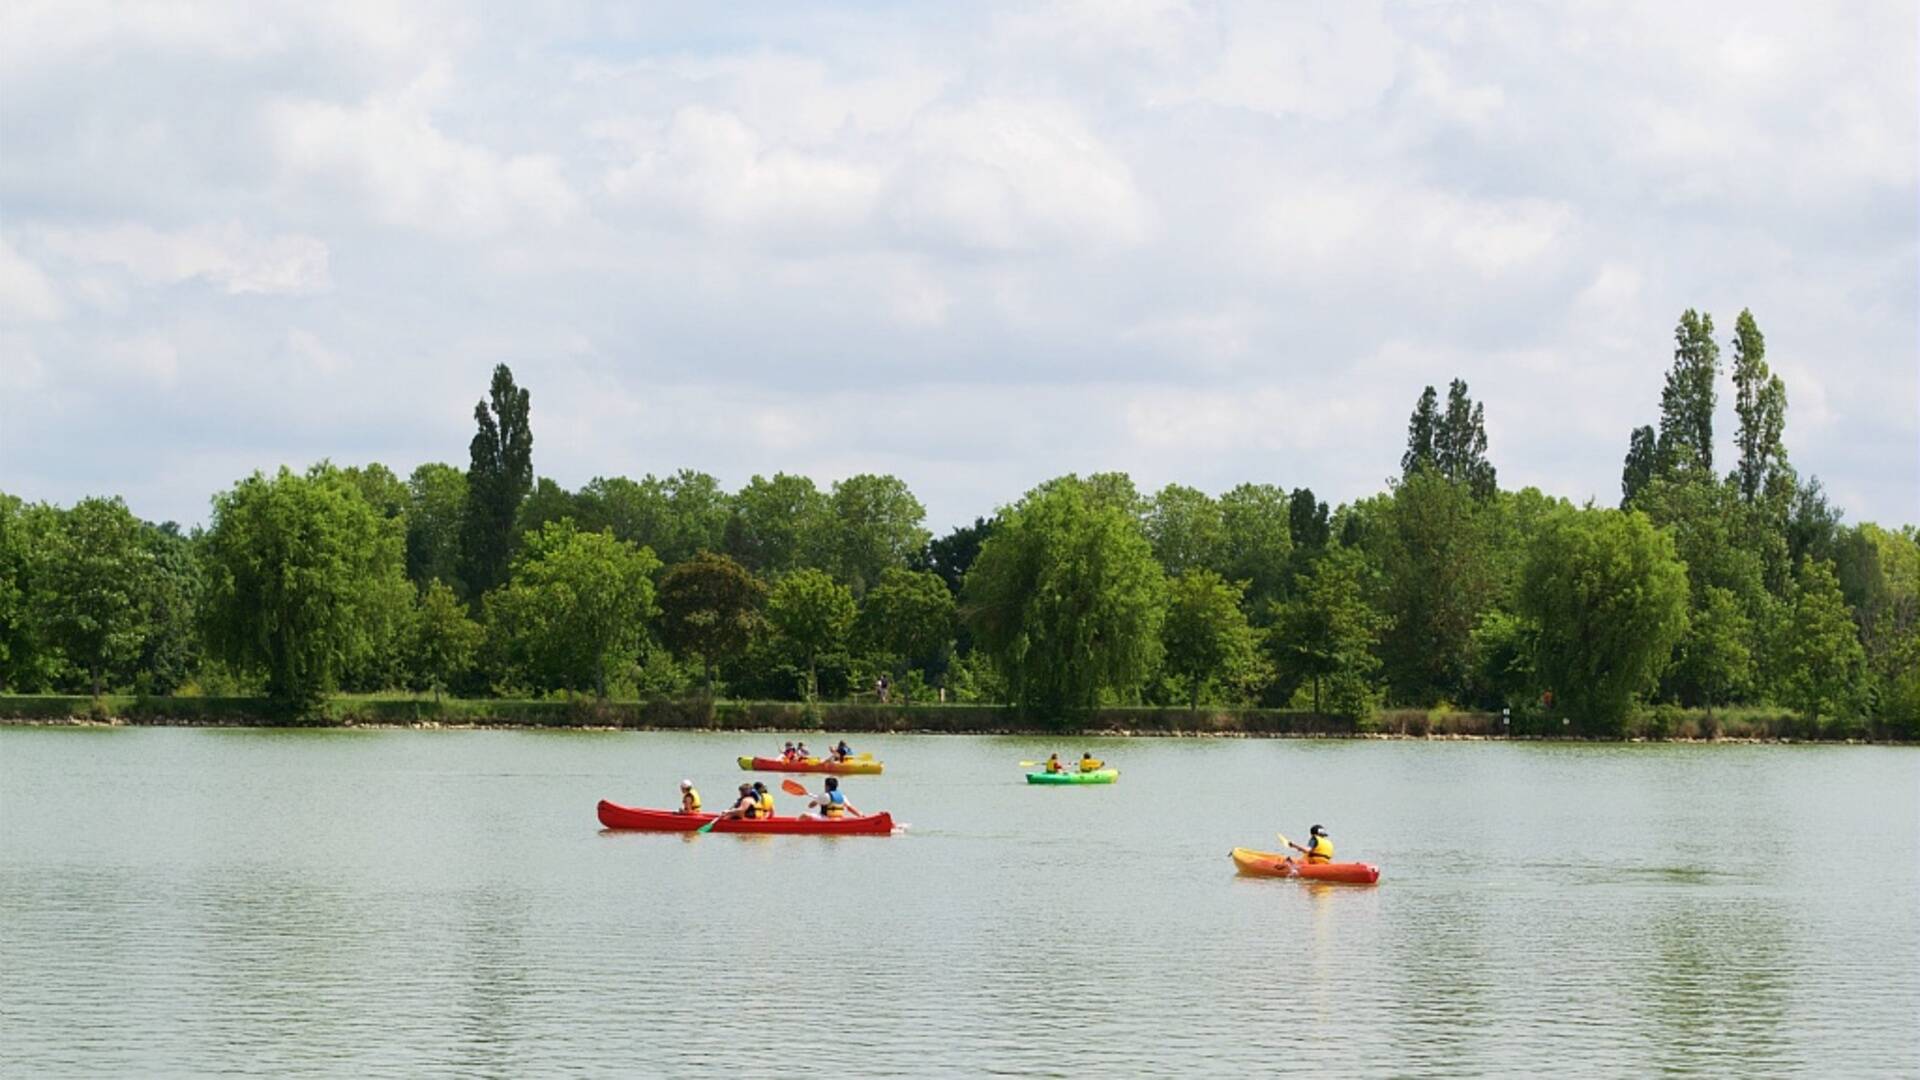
(256,724)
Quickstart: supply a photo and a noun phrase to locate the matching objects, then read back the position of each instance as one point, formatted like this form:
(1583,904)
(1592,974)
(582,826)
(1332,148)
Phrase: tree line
(1700,589)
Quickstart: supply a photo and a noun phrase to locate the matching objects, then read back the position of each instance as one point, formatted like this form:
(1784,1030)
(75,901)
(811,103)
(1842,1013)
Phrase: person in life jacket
(763,801)
(832,803)
(800,752)
(1053,764)
(689,798)
(1319,849)
(789,754)
(842,752)
(1089,763)
(746,806)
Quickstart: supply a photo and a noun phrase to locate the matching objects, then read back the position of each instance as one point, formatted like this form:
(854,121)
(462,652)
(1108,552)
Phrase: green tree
(952,555)
(574,613)
(1713,663)
(907,618)
(1325,633)
(1256,543)
(381,489)
(1421,427)
(1608,598)
(1185,528)
(436,500)
(775,523)
(710,608)
(443,642)
(547,502)
(28,536)
(874,522)
(1824,660)
(498,478)
(301,574)
(1642,463)
(1760,401)
(102,583)
(814,614)
(1460,443)
(1206,639)
(1067,599)
(171,652)
(1437,581)
(1687,401)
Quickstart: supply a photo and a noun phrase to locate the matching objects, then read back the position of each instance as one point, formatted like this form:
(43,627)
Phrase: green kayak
(1097,776)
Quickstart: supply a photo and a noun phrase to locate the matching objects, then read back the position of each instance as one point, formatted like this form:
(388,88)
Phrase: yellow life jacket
(690,801)
(766,805)
(1320,850)
(1088,764)
(1054,766)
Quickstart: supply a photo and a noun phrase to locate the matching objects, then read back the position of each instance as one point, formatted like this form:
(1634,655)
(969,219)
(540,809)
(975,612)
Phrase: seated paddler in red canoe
(830,803)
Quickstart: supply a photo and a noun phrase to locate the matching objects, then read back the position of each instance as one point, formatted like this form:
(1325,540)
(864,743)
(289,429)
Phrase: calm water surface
(186,902)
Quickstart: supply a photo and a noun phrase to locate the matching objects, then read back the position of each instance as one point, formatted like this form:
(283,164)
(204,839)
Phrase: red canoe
(1269,864)
(615,816)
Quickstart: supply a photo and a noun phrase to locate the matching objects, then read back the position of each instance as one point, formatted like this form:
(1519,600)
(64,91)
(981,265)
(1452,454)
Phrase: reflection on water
(399,903)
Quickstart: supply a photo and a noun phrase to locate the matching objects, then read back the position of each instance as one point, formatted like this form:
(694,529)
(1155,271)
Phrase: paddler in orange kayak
(1319,849)
(840,753)
(689,798)
(789,754)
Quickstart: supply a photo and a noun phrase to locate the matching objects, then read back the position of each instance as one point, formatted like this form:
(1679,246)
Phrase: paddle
(708,827)
(793,787)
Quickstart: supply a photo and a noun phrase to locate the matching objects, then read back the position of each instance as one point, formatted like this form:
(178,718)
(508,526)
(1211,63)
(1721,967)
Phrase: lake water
(186,902)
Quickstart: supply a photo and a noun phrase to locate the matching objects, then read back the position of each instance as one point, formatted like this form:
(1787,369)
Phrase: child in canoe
(789,753)
(689,798)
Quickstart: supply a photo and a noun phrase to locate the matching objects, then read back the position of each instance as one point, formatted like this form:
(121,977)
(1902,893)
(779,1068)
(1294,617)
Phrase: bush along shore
(587,713)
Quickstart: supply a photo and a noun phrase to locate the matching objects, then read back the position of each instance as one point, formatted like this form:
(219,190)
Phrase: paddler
(689,798)
(763,802)
(832,803)
(1089,763)
(789,754)
(842,752)
(1319,849)
(800,752)
(1053,764)
(746,806)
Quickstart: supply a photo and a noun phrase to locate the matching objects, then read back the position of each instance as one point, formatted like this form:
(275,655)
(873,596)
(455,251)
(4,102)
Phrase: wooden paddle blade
(792,787)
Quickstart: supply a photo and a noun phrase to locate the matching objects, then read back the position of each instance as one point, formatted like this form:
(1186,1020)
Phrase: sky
(973,245)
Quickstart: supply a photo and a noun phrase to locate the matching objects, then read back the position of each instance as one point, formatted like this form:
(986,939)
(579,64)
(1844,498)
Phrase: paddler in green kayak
(1053,764)
(1319,849)
(1089,763)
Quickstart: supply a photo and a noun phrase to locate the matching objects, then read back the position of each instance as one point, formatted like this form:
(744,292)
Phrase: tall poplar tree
(499,476)
(1642,462)
(1760,401)
(1421,427)
(1686,403)
(1460,443)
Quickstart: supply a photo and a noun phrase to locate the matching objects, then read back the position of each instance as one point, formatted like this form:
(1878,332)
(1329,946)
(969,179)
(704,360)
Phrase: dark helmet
(1316,831)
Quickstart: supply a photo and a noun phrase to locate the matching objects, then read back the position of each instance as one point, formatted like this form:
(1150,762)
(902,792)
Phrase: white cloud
(25,292)
(228,255)
(389,152)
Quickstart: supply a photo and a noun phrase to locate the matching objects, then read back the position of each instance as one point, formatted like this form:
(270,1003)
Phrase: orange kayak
(1270,864)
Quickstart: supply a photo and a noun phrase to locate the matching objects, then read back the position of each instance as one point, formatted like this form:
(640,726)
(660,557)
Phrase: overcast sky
(971,245)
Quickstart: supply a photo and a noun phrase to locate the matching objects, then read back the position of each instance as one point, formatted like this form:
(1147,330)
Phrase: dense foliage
(1704,589)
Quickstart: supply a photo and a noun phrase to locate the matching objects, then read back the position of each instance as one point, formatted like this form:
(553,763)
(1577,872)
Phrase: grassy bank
(701,715)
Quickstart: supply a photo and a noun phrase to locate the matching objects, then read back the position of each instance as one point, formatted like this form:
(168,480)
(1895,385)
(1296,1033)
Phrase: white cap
(686,784)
